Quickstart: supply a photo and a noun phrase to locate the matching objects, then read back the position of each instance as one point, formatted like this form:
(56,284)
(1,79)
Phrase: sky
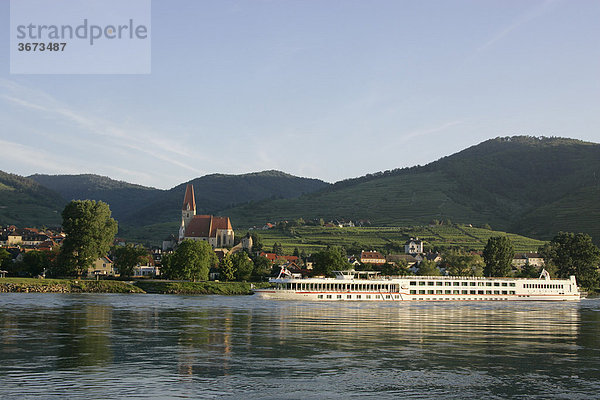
(315,88)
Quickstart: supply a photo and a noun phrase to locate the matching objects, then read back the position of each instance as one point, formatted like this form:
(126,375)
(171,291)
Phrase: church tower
(188,211)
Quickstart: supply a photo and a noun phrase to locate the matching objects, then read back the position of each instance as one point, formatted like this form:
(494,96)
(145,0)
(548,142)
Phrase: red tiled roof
(199,226)
(206,226)
(189,201)
(273,257)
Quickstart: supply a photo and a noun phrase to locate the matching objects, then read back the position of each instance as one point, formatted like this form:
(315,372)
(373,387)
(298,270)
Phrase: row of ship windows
(396,297)
(341,287)
(543,286)
(358,296)
(462,292)
(462,298)
(440,283)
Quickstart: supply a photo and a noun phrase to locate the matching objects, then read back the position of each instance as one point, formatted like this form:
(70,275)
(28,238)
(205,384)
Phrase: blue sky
(323,89)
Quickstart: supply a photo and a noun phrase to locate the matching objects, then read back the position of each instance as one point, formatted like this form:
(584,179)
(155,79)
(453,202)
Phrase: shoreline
(34,285)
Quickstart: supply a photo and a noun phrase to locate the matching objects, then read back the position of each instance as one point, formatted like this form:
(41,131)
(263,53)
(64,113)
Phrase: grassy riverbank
(33,285)
(223,288)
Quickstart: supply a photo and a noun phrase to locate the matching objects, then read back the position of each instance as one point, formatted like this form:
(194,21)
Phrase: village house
(413,246)
(372,257)
(102,267)
(407,259)
(522,259)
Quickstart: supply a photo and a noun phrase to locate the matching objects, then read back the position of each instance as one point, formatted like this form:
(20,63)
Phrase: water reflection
(211,346)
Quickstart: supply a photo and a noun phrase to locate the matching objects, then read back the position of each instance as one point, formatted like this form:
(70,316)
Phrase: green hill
(533,186)
(439,237)
(24,202)
(217,192)
(122,197)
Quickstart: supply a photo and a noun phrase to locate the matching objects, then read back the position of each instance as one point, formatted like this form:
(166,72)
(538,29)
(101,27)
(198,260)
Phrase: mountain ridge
(523,184)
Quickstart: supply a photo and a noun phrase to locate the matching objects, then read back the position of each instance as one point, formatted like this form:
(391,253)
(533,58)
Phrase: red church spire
(189,202)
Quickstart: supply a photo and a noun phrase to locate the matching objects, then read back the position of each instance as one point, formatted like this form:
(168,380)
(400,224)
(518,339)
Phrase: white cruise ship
(370,286)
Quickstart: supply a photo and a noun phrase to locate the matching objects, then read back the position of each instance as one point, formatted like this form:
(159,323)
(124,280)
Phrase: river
(104,346)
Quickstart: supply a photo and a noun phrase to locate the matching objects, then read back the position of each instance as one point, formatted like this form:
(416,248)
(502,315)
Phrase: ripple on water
(156,346)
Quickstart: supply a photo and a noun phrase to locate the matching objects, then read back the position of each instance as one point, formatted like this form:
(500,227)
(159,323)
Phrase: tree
(389,269)
(461,263)
(428,268)
(262,268)
(529,271)
(89,230)
(329,260)
(257,243)
(192,260)
(498,255)
(35,262)
(5,258)
(573,254)
(278,249)
(242,265)
(227,271)
(127,257)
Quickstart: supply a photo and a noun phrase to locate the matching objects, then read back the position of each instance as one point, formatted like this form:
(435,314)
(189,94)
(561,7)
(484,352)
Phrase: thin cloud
(428,131)
(151,144)
(518,22)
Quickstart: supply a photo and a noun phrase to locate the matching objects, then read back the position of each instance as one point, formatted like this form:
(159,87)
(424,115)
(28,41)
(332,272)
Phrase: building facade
(217,231)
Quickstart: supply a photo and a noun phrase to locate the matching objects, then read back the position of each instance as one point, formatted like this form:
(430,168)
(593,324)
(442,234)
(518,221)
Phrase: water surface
(164,346)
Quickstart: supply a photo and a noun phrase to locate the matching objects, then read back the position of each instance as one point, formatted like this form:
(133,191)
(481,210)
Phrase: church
(217,231)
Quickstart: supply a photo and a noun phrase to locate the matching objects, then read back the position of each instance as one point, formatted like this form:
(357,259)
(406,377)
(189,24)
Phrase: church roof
(206,226)
(189,202)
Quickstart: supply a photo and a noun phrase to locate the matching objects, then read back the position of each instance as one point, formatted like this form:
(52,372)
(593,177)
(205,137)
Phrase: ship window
(413,292)
(328,296)
(472,283)
(504,284)
(456,283)
(448,291)
(465,292)
(473,292)
(358,296)
(479,283)
(439,283)
(320,296)
(339,296)
(413,283)
(512,292)
(512,284)
(430,292)
(488,292)
(387,296)
(504,292)
(465,283)
(488,284)
(480,292)
(349,296)
(421,292)
(496,292)
(456,292)
(431,283)
(496,283)
(447,283)
(439,291)
(421,283)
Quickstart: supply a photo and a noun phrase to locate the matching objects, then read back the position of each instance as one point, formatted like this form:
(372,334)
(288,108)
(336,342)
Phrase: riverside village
(35,252)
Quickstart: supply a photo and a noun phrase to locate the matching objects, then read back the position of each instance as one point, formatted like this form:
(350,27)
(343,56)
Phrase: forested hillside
(24,202)
(534,186)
